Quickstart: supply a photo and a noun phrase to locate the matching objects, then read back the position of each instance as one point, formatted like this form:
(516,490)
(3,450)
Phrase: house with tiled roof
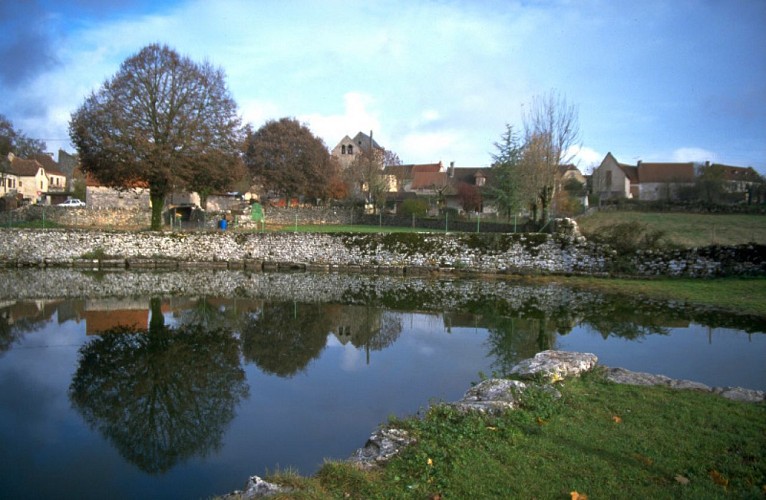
(28,176)
(663,181)
(738,179)
(646,181)
(57,179)
(614,180)
(402,177)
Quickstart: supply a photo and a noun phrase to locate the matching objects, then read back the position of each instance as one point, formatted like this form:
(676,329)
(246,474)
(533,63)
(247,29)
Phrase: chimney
(451,169)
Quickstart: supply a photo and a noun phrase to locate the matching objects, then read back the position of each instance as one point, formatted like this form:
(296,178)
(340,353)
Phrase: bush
(415,207)
(628,237)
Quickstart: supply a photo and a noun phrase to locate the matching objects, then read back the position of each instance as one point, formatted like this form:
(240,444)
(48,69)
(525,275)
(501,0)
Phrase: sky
(652,80)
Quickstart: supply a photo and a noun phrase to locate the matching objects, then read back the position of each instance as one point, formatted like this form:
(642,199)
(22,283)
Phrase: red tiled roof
(630,172)
(426,167)
(665,172)
(427,180)
(24,168)
(744,174)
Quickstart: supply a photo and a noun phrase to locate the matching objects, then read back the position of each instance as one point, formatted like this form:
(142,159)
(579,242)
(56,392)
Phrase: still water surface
(185,397)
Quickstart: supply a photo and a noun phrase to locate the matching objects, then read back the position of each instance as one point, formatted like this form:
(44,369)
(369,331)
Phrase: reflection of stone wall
(404,253)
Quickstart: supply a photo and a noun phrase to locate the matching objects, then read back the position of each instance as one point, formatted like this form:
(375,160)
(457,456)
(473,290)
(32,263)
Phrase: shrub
(628,237)
(415,207)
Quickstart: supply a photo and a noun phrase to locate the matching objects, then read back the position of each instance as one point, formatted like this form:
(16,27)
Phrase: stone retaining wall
(397,253)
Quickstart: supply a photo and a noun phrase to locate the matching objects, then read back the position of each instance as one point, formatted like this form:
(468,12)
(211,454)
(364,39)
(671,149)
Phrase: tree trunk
(158,202)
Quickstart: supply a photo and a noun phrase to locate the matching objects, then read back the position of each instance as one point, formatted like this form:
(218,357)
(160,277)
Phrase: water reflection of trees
(163,395)
(283,337)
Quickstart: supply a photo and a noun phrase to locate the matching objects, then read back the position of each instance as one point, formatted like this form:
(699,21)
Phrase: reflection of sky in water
(326,410)
(717,357)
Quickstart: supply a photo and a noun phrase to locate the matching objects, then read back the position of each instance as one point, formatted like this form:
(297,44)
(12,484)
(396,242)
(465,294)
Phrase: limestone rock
(741,394)
(492,396)
(382,445)
(256,488)
(556,364)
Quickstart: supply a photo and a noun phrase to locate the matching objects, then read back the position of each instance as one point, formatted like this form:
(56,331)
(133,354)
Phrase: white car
(73,202)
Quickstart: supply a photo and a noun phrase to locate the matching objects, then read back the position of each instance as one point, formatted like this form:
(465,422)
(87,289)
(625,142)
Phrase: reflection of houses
(102,315)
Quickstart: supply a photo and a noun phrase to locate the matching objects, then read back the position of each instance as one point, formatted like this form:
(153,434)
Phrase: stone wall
(106,218)
(394,253)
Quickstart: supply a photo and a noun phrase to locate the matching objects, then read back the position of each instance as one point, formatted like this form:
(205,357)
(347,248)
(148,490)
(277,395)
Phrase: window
(480,180)
(350,149)
(343,149)
(608,178)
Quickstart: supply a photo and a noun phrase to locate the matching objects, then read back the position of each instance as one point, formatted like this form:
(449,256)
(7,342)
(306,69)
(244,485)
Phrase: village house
(348,149)
(644,181)
(648,181)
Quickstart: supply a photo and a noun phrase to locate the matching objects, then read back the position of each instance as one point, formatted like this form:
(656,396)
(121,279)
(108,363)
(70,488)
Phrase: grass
(687,229)
(600,439)
(323,228)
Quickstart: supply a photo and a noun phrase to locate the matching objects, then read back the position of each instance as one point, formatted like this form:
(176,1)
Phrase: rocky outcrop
(623,376)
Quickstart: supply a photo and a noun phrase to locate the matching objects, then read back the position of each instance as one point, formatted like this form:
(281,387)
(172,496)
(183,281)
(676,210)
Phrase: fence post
(478,221)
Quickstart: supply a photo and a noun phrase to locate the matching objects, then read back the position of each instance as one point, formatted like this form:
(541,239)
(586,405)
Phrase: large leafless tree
(551,129)
(285,158)
(163,121)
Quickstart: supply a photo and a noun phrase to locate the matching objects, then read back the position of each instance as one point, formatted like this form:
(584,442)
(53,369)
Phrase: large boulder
(555,365)
(382,445)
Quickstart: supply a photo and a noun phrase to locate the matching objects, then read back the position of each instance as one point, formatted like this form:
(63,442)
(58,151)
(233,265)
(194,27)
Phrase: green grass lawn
(687,229)
(600,439)
(324,228)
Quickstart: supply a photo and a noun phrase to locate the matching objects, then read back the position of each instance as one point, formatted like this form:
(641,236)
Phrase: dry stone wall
(408,253)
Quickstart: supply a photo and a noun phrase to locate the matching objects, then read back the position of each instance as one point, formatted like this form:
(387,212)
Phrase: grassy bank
(687,229)
(600,439)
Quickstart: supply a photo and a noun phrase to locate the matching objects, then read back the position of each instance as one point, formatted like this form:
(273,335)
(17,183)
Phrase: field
(687,229)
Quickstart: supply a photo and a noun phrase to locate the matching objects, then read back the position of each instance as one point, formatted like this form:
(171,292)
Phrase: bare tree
(551,128)
(286,158)
(365,176)
(163,121)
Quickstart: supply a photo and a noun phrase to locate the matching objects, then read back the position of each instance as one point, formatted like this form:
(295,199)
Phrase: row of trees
(526,164)
(166,122)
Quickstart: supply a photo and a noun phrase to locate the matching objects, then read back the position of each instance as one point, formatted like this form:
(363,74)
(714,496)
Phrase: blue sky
(656,80)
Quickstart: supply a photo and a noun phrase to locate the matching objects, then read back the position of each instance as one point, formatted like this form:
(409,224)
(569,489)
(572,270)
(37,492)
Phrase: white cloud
(356,117)
(693,154)
(428,147)
(585,158)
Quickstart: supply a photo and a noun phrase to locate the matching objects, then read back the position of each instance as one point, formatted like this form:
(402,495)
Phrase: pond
(146,388)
